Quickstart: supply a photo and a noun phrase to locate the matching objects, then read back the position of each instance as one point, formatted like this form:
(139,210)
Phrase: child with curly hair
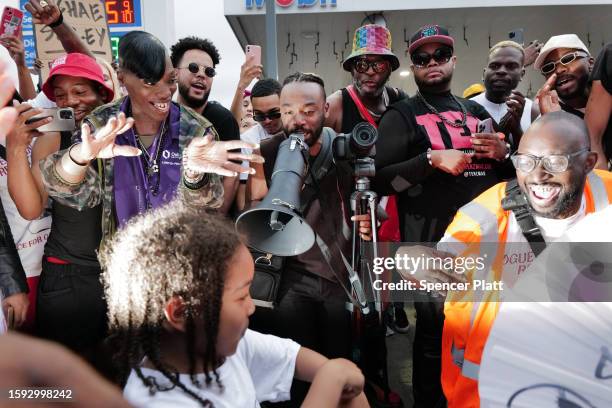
(177,285)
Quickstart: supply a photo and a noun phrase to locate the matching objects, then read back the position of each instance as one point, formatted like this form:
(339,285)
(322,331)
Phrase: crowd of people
(117,242)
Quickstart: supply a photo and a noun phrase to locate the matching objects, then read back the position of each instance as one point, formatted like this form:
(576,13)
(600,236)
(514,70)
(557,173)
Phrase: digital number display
(115,47)
(123,12)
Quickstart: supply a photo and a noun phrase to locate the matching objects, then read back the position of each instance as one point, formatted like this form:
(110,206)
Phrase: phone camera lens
(65,114)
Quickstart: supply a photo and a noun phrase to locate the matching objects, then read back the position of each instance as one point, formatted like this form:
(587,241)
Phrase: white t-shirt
(254,135)
(262,369)
(30,236)
(498,110)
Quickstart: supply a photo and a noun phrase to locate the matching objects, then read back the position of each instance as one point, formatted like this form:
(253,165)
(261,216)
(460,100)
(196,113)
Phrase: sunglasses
(362,66)
(554,163)
(567,59)
(260,117)
(441,56)
(195,68)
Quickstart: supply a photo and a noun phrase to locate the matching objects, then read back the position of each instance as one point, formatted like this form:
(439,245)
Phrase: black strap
(3,152)
(516,201)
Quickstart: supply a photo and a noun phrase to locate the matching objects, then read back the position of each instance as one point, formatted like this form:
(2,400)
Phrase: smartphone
(485,126)
(10,318)
(517,36)
(254,51)
(63,120)
(11,21)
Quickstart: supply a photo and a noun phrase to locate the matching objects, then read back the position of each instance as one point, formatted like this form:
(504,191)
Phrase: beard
(358,84)
(564,207)
(433,84)
(582,83)
(194,103)
(311,136)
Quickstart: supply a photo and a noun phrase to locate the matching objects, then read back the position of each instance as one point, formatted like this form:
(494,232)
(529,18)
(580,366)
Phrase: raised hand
(102,144)
(531,52)
(204,155)
(547,97)
(14,45)
(248,72)
(43,11)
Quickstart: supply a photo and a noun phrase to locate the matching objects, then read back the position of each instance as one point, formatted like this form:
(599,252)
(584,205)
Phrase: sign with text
(88,19)
(28,35)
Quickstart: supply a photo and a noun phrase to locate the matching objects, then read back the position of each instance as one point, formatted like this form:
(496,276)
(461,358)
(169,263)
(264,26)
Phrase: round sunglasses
(362,66)
(441,55)
(195,68)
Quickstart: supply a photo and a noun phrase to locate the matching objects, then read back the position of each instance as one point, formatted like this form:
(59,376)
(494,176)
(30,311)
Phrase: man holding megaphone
(311,301)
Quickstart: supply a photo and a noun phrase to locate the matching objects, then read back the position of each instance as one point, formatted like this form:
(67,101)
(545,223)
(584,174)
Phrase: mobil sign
(289,3)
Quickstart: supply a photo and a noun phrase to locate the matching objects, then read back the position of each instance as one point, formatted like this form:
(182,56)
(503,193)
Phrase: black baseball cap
(430,34)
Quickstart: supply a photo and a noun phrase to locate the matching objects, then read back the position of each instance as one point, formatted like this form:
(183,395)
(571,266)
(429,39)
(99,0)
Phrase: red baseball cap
(76,65)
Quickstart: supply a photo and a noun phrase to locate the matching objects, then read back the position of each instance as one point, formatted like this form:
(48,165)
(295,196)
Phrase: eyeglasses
(362,66)
(195,68)
(441,56)
(567,59)
(260,117)
(554,163)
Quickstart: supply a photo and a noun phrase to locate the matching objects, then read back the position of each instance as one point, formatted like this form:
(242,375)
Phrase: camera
(358,144)
(66,114)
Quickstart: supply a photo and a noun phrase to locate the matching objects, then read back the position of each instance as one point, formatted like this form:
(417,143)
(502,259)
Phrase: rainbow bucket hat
(371,39)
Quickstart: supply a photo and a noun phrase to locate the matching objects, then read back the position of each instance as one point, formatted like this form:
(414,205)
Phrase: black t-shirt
(222,120)
(429,198)
(602,71)
(350,113)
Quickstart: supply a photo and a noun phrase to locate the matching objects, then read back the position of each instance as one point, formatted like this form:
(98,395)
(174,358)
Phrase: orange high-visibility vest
(467,323)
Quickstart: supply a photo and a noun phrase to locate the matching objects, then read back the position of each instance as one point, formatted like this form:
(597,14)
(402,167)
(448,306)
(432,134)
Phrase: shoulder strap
(516,201)
(362,109)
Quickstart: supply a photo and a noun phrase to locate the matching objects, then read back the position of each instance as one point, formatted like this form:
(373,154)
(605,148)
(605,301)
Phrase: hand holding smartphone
(485,126)
(63,120)
(11,22)
(253,53)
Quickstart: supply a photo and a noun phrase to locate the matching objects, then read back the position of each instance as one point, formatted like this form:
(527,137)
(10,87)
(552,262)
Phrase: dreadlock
(172,251)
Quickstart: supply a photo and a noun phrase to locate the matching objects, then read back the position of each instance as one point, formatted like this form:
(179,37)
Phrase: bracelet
(70,167)
(57,22)
(74,161)
(429,157)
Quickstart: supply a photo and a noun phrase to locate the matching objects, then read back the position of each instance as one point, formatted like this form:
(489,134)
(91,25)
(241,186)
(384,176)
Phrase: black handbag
(267,278)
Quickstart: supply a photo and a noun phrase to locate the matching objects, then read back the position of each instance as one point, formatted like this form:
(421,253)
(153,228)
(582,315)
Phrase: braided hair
(171,251)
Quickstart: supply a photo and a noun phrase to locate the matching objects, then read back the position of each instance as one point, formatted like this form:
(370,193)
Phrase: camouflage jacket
(97,186)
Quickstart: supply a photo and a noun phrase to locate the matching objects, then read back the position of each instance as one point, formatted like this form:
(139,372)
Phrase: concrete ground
(399,360)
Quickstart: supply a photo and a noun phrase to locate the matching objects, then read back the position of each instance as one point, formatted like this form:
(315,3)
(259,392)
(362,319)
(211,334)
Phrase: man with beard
(365,100)
(554,166)
(429,154)
(370,64)
(311,304)
(510,109)
(567,64)
(196,59)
